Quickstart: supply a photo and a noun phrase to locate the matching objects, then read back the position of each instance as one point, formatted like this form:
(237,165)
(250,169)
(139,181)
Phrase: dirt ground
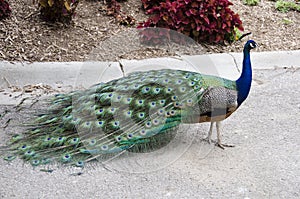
(24,37)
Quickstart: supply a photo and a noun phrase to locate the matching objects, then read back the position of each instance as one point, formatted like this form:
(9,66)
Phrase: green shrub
(58,10)
(285,6)
(251,2)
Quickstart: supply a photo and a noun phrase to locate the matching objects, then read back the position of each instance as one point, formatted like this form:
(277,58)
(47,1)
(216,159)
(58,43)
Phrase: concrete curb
(216,64)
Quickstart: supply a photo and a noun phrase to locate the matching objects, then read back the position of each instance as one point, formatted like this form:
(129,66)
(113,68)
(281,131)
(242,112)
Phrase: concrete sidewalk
(69,72)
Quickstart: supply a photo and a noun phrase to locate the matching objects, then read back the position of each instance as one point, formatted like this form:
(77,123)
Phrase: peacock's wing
(219,99)
(139,112)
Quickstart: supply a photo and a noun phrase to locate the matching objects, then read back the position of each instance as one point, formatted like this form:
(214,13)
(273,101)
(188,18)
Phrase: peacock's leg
(210,132)
(219,143)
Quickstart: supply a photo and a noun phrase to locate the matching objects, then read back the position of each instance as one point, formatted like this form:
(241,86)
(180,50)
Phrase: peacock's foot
(208,140)
(222,146)
(219,144)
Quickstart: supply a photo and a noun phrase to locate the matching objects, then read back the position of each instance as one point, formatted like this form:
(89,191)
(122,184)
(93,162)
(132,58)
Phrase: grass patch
(285,6)
(251,2)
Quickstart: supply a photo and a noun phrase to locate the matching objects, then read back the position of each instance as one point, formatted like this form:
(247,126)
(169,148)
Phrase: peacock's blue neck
(244,82)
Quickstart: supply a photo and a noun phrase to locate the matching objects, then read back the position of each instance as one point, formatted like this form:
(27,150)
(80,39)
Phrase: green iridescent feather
(138,113)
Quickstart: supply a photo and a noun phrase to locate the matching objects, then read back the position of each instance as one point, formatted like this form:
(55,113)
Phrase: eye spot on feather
(35,162)
(79,164)
(143,132)
(104,147)
(115,124)
(92,142)
(74,141)
(128,114)
(118,138)
(162,102)
(161,112)
(129,135)
(168,90)
(182,89)
(178,105)
(112,110)
(145,90)
(152,104)
(127,100)
(141,115)
(67,117)
(189,102)
(172,112)
(179,81)
(29,153)
(155,122)
(167,114)
(196,87)
(10,158)
(66,158)
(148,124)
(192,83)
(139,102)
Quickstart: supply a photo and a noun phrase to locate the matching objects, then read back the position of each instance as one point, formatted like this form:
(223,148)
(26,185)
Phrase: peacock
(136,113)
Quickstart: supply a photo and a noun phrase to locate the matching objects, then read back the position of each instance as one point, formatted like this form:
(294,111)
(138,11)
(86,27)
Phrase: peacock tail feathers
(138,113)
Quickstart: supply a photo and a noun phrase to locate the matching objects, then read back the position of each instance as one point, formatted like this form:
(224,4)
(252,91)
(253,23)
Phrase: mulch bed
(24,37)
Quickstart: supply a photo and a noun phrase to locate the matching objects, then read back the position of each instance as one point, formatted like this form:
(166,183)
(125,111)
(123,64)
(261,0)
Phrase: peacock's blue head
(250,45)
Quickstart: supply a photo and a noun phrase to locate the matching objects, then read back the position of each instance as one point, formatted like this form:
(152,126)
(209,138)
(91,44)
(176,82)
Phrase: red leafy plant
(114,9)
(5,10)
(57,10)
(204,20)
